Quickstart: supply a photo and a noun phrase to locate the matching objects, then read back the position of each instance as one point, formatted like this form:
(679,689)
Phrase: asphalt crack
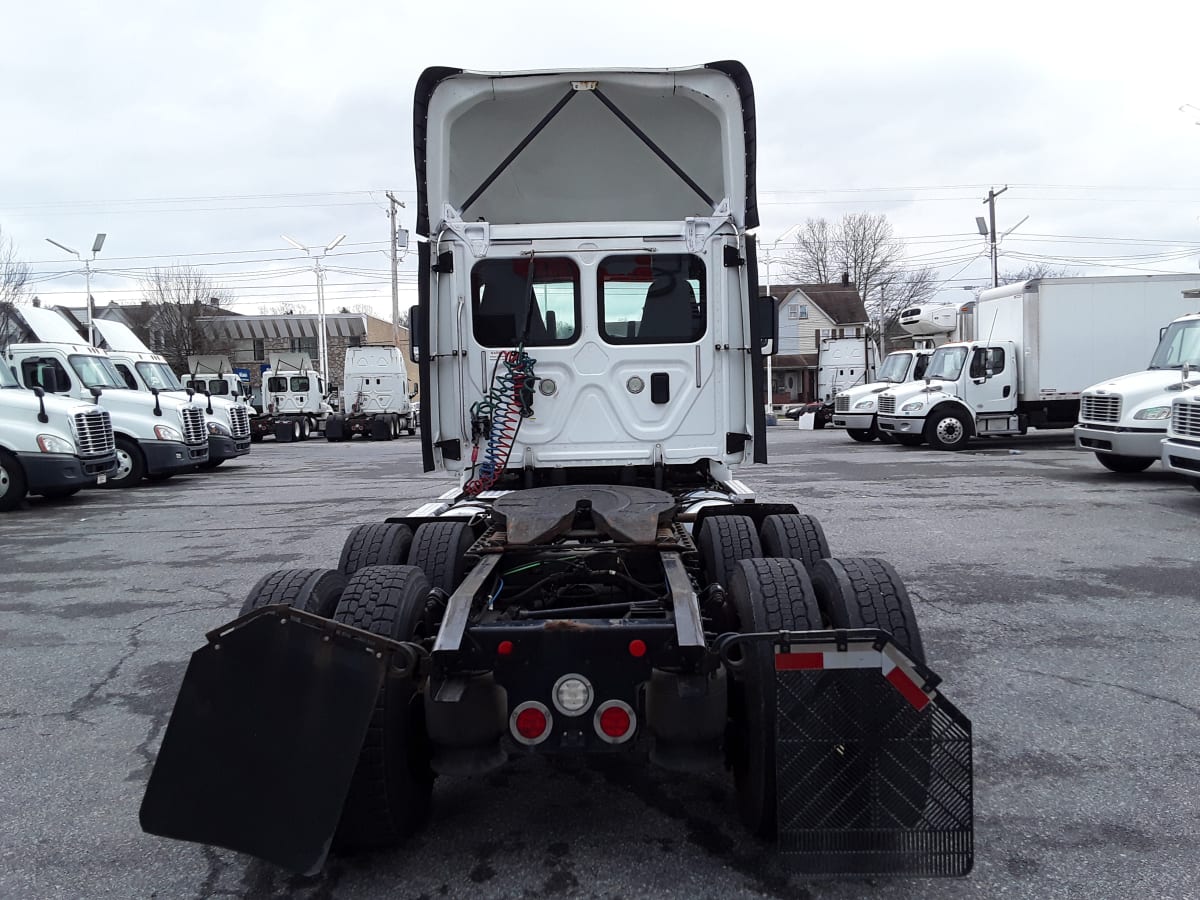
(1095,682)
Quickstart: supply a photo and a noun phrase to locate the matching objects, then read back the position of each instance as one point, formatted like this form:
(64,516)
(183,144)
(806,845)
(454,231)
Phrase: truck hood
(910,390)
(124,402)
(1139,390)
(867,390)
(16,404)
(585,164)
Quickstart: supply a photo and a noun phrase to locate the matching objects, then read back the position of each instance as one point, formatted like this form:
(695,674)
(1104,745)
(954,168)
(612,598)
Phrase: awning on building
(242,328)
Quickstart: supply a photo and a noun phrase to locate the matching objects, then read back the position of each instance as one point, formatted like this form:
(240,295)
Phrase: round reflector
(637,648)
(504,648)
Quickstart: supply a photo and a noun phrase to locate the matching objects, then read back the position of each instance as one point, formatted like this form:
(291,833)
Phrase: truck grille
(194,431)
(94,431)
(887,405)
(1094,408)
(841,403)
(1185,419)
(240,421)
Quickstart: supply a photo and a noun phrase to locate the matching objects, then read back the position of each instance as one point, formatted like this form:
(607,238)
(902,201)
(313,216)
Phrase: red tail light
(615,721)
(530,723)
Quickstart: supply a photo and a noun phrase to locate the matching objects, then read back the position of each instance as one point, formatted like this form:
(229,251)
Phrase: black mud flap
(873,765)
(265,735)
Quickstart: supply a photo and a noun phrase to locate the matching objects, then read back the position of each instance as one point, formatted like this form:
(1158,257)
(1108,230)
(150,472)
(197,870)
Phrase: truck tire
(948,430)
(862,435)
(767,595)
(13,483)
(392,785)
(867,593)
(1126,465)
(382,544)
(131,465)
(723,542)
(439,550)
(311,590)
(908,440)
(306,428)
(793,536)
(380,429)
(335,428)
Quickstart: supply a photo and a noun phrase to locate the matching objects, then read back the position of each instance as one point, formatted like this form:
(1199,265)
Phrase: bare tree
(1035,270)
(278,309)
(179,295)
(14,273)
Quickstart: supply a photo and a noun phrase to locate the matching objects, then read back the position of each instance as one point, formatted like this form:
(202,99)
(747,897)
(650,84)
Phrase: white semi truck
(49,445)
(855,409)
(598,583)
(294,397)
(228,423)
(1124,420)
(1038,344)
(156,435)
(215,375)
(375,399)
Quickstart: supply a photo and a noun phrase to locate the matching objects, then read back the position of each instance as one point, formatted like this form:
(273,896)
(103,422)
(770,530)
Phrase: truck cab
(1180,449)
(1124,420)
(375,401)
(156,434)
(228,423)
(49,445)
(295,399)
(968,388)
(855,409)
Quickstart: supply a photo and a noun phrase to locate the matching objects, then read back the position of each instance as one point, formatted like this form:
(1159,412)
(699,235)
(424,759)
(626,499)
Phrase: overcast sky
(199,133)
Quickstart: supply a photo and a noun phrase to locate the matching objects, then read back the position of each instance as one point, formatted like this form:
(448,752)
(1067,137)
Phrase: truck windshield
(895,367)
(97,371)
(946,363)
(159,375)
(1180,344)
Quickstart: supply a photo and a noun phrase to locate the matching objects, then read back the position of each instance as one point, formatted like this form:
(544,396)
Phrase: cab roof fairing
(701,117)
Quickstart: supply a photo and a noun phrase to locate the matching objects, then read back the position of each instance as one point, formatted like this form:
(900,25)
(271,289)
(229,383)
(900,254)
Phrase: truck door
(991,380)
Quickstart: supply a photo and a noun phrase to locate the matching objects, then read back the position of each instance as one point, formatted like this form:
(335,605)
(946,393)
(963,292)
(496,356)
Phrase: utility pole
(395,233)
(990,200)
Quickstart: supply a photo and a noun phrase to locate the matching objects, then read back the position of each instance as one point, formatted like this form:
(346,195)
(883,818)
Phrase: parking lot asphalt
(1058,601)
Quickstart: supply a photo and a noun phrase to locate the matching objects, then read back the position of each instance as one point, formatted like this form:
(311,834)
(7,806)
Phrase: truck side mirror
(414,333)
(40,394)
(765,324)
(96,391)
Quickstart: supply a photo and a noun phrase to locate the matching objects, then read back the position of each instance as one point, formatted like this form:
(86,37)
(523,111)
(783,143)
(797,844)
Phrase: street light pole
(97,244)
(322,338)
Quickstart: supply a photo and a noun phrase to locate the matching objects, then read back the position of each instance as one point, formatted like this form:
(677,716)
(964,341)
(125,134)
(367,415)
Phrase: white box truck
(375,396)
(157,435)
(228,423)
(1038,345)
(1123,420)
(50,445)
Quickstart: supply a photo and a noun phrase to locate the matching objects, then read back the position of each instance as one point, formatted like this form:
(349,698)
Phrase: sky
(199,134)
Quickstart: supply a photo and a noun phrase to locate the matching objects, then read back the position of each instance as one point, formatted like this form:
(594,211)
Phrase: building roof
(841,302)
(247,327)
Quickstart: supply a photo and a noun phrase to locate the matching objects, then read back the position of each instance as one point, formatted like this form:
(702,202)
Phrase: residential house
(807,313)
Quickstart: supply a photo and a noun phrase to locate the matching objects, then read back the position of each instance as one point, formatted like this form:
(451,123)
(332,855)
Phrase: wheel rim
(5,481)
(124,465)
(950,431)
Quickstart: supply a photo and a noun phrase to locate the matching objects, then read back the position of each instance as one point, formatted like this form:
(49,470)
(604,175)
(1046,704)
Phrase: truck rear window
(508,305)
(659,299)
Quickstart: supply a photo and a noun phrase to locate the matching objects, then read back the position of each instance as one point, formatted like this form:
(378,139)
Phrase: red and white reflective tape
(891,663)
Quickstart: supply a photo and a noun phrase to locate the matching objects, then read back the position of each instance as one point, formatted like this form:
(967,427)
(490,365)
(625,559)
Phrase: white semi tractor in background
(375,398)
(156,435)
(294,399)
(215,375)
(1180,449)
(1038,345)
(50,445)
(228,423)
(1123,420)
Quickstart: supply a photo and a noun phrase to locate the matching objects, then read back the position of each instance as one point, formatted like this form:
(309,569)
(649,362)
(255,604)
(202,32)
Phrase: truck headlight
(167,433)
(1153,412)
(52,443)
(865,404)
(215,427)
(912,407)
